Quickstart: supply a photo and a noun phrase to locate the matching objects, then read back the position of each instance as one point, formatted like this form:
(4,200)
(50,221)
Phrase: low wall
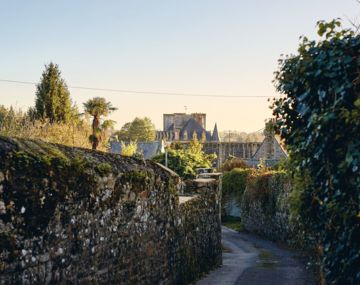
(72,215)
(199,232)
(231,207)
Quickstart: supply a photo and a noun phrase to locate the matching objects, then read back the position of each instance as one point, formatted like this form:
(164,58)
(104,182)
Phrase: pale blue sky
(198,46)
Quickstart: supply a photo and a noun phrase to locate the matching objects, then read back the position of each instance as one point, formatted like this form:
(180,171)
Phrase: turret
(215,134)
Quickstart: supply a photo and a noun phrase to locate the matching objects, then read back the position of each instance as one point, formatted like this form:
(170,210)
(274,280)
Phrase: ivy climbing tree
(319,119)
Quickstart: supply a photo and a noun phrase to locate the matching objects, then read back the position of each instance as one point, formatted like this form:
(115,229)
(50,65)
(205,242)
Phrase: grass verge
(232,223)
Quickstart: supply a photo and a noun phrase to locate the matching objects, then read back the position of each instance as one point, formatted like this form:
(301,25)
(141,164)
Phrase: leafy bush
(283,164)
(128,149)
(235,180)
(318,118)
(185,161)
(232,163)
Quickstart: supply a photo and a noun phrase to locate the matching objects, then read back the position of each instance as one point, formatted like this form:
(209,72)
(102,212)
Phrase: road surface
(250,260)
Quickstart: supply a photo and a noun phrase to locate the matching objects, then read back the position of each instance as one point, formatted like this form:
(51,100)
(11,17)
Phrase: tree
(53,97)
(97,107)
(184,161)
(140,129)
(318,117)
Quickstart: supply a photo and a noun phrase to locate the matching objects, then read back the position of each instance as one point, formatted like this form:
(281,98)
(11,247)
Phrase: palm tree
(97,107)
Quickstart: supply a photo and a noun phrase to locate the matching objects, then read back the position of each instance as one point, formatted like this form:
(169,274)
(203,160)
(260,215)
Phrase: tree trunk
(95,127)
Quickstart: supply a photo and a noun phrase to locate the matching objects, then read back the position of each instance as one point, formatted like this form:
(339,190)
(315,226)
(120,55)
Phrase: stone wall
(199,233)
(77,216)
(225,149)
(265,209)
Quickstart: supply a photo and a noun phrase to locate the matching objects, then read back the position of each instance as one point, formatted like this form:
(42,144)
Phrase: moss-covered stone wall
(266,208)
(76,216)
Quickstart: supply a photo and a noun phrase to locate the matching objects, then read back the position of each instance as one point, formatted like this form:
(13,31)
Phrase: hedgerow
(233,162)
(233,185)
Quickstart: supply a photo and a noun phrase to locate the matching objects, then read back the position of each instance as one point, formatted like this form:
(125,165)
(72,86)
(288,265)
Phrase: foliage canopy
(140,129)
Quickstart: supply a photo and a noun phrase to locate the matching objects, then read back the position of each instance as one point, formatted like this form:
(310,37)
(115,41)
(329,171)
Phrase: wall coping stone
(184,199)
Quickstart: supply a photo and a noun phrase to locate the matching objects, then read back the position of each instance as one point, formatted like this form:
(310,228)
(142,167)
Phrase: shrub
(283,164)
(128,149)
(15,123)
(232,163)
(185,161)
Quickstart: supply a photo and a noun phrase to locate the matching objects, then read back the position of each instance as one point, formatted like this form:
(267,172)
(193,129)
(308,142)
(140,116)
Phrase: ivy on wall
(234,184)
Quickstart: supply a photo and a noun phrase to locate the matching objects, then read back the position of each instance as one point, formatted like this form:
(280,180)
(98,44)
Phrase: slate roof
(170,128)
(192,126)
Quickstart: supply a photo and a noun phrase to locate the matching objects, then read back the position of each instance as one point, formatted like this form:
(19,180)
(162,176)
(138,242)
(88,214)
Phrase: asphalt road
(249,260)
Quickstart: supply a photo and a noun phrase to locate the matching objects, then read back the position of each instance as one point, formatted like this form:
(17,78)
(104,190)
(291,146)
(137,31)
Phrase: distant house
(270,151)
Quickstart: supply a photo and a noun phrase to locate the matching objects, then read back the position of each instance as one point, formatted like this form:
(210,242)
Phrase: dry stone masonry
(74,216)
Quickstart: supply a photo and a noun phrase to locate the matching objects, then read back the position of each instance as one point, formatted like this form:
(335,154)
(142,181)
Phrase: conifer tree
(53,97)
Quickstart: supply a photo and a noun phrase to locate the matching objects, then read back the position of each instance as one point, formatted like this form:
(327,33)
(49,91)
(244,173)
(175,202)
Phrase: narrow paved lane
(249,260)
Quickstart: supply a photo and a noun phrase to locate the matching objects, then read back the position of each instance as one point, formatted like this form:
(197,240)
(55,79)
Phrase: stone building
(185,127)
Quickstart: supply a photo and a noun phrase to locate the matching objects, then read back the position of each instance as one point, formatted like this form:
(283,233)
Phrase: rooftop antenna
(185,107)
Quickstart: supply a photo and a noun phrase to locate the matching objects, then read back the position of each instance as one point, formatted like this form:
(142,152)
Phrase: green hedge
(265,188)
(233,162)
(233,185)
